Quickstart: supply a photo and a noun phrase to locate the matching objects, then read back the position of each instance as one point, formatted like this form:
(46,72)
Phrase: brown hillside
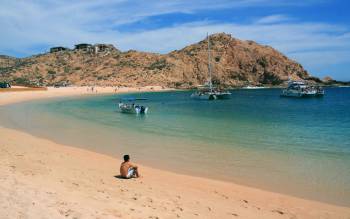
(235,63)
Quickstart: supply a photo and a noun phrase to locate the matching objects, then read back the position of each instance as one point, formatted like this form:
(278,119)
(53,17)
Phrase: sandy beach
(42,179)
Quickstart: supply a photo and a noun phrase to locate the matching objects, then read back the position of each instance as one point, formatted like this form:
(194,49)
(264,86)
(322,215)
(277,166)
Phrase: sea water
(298,146)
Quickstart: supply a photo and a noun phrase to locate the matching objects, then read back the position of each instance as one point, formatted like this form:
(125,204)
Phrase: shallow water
(295,146)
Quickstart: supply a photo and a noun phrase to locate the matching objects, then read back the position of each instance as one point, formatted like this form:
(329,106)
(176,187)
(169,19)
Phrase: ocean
(295,146)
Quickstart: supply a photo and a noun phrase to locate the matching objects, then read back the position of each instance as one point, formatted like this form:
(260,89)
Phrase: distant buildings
(103,48)
(96,48)
(83,47)
(57,49)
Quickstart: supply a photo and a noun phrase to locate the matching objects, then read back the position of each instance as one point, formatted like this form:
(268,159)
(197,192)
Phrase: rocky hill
(234,62)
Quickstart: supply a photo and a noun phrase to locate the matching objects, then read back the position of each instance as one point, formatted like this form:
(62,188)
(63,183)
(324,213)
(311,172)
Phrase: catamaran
(208,91)
(205,92)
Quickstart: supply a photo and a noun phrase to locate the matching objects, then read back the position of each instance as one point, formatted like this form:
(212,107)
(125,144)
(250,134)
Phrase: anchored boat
(301,89)
(128,105)
(207,91)
(204,95)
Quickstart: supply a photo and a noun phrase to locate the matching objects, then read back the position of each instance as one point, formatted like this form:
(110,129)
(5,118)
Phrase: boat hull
(204,96)
(132,109)
(215,95)
(224,95)
(287,93)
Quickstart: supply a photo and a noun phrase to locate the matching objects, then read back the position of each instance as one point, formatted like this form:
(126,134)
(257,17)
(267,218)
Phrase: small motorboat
(128,105)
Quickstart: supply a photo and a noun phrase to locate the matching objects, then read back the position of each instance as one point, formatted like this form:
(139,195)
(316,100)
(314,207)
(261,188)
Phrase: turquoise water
(295,146)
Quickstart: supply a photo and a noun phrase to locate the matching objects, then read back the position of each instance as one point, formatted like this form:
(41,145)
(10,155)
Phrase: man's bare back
(128,169)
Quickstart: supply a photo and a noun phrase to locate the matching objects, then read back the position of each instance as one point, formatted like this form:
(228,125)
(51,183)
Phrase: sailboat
(208,91)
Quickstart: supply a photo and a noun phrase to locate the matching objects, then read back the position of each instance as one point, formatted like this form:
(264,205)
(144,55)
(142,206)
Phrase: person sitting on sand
(127,169)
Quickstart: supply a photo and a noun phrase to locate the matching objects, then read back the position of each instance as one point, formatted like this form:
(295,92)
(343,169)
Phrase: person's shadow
(119,177)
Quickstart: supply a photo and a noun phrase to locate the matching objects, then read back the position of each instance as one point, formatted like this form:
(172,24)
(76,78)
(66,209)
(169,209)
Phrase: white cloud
(272,19)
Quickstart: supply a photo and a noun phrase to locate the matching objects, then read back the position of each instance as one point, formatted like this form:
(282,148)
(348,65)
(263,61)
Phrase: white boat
(129,106)
(301,89)
(207,91)
(132,108)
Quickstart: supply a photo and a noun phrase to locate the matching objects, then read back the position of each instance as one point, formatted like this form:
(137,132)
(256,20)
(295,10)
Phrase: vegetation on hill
(235,63)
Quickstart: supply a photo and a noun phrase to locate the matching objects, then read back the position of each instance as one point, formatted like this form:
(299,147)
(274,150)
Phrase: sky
(315,33)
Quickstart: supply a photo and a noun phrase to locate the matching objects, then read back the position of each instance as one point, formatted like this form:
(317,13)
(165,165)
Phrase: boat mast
(209,65)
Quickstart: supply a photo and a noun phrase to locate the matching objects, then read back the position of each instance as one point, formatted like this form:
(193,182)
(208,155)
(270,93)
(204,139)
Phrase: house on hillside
(96,48)
(84,47)
(102,48)
(58,49)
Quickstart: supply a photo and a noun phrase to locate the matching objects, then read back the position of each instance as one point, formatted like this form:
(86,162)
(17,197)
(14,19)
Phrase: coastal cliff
(235,63)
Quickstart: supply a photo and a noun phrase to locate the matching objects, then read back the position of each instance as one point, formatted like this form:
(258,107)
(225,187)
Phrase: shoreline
(37,165)
(10,97)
